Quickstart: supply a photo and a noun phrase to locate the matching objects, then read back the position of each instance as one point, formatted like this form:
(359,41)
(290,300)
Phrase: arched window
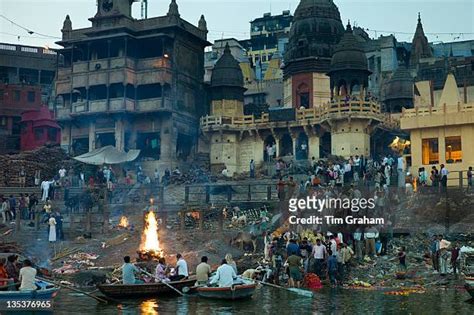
(303,95)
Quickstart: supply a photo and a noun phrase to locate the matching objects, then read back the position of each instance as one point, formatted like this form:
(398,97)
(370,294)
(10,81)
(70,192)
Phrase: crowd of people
(444,255)
(327,256)
(24,206)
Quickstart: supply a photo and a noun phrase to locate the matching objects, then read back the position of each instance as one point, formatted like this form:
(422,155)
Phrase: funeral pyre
(124,222)
(150,244)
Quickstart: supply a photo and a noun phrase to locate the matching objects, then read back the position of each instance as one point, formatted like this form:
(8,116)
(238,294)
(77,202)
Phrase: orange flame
(123,222)
(150,242)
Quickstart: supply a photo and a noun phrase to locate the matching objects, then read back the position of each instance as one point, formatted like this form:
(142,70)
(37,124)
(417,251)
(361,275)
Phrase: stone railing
(336,110)
(440,110)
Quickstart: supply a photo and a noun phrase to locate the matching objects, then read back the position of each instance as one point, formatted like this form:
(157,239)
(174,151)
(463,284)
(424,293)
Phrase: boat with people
(242,290)
(46,291)
(156,289)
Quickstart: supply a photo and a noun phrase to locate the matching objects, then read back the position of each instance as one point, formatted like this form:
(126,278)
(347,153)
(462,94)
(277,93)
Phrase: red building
(38,128)
(14,100)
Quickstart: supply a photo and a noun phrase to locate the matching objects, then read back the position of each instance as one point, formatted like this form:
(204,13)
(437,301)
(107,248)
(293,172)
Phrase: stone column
(119,134)
(277,142)
(258,150)
(313,146)
(168,136)
(132,141)
(91,136)
(294,139)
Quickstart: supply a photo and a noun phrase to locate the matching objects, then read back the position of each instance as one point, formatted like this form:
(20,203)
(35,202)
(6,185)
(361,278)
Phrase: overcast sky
(230,18)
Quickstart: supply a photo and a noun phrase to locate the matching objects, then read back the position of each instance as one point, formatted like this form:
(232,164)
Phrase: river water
(274,301)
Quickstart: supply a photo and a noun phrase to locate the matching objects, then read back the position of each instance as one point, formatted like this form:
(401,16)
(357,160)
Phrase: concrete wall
(350,138)
(467,146)
(236,153)
(321,89)
(229,108)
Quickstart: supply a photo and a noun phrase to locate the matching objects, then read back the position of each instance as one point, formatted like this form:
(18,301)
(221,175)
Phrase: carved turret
(202,24)
(420,47)
(173,12)
(67,28)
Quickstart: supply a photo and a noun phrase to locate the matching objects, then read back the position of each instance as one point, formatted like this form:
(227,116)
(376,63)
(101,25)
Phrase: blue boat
(46,291)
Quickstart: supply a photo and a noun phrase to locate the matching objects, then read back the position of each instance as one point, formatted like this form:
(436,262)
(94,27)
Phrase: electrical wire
(29,31)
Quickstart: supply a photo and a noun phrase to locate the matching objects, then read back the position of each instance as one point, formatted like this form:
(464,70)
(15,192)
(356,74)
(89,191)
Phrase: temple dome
(315,31)
(227,71)
(349,53)
(400,85)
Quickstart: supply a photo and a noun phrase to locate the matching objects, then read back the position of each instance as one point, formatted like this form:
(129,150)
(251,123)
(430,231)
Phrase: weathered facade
(134,84)
(315,32)
(26,77)
(443,133)
(38,128)
(326,105)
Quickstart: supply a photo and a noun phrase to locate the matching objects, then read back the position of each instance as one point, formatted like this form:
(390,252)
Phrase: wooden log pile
(9,247)
(192,176)
(48,160)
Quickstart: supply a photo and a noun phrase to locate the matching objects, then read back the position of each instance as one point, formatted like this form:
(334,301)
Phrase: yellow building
(442,134)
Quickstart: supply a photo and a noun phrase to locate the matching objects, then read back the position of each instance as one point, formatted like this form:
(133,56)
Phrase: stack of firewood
(47,160)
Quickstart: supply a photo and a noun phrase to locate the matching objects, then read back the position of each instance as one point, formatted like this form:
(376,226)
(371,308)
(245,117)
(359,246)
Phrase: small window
(430,151)
(31,96)
(39,132)
(16,95)
(52,134)
(453,150)
(3,121)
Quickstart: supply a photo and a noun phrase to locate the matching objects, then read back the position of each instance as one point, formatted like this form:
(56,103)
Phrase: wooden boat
(235,292)
(469,285)
(47,291)
(144,289)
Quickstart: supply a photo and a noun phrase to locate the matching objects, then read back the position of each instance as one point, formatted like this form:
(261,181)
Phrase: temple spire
(173,9)
(420,46)
(202,24)
(67,27)
(349,27)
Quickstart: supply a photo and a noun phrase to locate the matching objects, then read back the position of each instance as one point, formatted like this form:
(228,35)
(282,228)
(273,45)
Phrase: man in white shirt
(107,174)
(332,241)
(387,173)
(225,172)
(225,275)
(62,172)
(370,235)
(319,253)
(27,277)
(181,269)
(444,176)
(401,172)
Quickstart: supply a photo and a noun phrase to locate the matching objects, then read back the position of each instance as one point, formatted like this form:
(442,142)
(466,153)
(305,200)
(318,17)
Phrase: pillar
(313,147)
(277,142)
(91,136)
(169,137)
(259,147)
(119,134)
(294,140)
(108,75)
(132,141)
